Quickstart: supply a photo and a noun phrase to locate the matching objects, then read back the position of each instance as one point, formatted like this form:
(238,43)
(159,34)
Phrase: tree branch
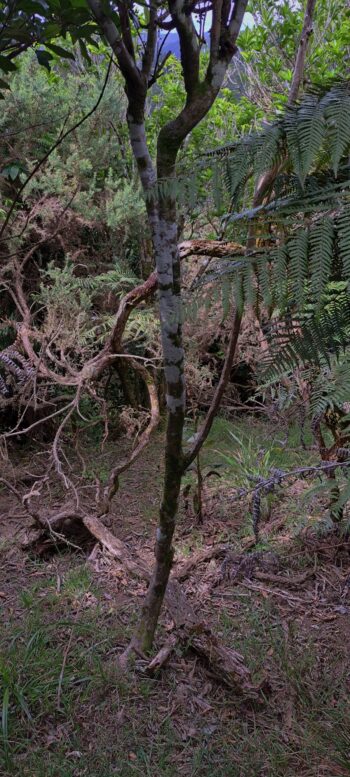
(299,66)
(189,45)
(151,42)
(202,435)
(108,28)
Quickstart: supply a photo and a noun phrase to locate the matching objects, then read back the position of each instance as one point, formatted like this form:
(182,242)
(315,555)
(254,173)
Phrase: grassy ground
(68,710)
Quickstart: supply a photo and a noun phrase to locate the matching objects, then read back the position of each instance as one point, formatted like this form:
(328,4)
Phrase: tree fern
(264,273)
(237,170)
(309,340)
(332,387)
(268,148)
(279,259)
(337,116)
(343,234)
(298,267)
(321,256)
(311,132)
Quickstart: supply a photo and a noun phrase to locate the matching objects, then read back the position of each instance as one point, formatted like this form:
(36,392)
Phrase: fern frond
(311,339)
(11,366)
(343,233)
(321,257)
(237,169)
(337,116)
(298,266)
(268,148)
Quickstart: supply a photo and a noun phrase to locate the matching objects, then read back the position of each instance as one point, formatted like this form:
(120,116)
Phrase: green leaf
(343,230)
(84,51)
(32,7)
(11,171)
(338,116)
(60,51)
(51,30)
(4,85)
(44,58)
(5,714)
(23,704)
(6,65)
(321,257)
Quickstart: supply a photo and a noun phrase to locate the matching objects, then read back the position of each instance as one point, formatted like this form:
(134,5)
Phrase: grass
(243,450)
(128,724)
(69,711)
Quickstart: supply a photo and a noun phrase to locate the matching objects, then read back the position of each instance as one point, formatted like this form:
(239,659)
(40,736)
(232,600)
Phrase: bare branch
(299,66)
(126,61)
(189,45)
(202,435)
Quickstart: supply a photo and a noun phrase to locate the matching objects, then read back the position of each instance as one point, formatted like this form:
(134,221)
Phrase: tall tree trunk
(167,258)
(162,219)
(198,98)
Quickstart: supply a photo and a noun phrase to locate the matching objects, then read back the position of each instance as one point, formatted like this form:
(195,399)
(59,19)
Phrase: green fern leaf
(337,116)
(298,267)
(321,257)
(343,233)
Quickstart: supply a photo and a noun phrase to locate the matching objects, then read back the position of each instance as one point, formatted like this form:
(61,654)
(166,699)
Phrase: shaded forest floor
(69,711)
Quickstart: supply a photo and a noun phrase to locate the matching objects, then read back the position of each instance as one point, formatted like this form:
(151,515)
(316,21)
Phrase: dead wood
(192,631)
(224,663)
(214,248)
(216,551)
(292,580)
(116,547)
(236,567)
(163,654)
(65,528)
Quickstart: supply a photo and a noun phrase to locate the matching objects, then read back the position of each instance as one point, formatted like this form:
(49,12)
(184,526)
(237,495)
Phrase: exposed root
(163,654)
(190,630)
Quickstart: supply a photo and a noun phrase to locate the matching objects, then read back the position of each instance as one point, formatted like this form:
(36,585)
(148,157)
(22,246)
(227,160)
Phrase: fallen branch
(115,547)
(198,558)
(214,248)
(224,663)
(163,654)
(293,580)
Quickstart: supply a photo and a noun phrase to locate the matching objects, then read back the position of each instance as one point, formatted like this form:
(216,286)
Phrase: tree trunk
(162,219)
(169,289)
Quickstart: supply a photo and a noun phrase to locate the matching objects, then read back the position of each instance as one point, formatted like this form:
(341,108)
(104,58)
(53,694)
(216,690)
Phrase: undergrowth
(69,711)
